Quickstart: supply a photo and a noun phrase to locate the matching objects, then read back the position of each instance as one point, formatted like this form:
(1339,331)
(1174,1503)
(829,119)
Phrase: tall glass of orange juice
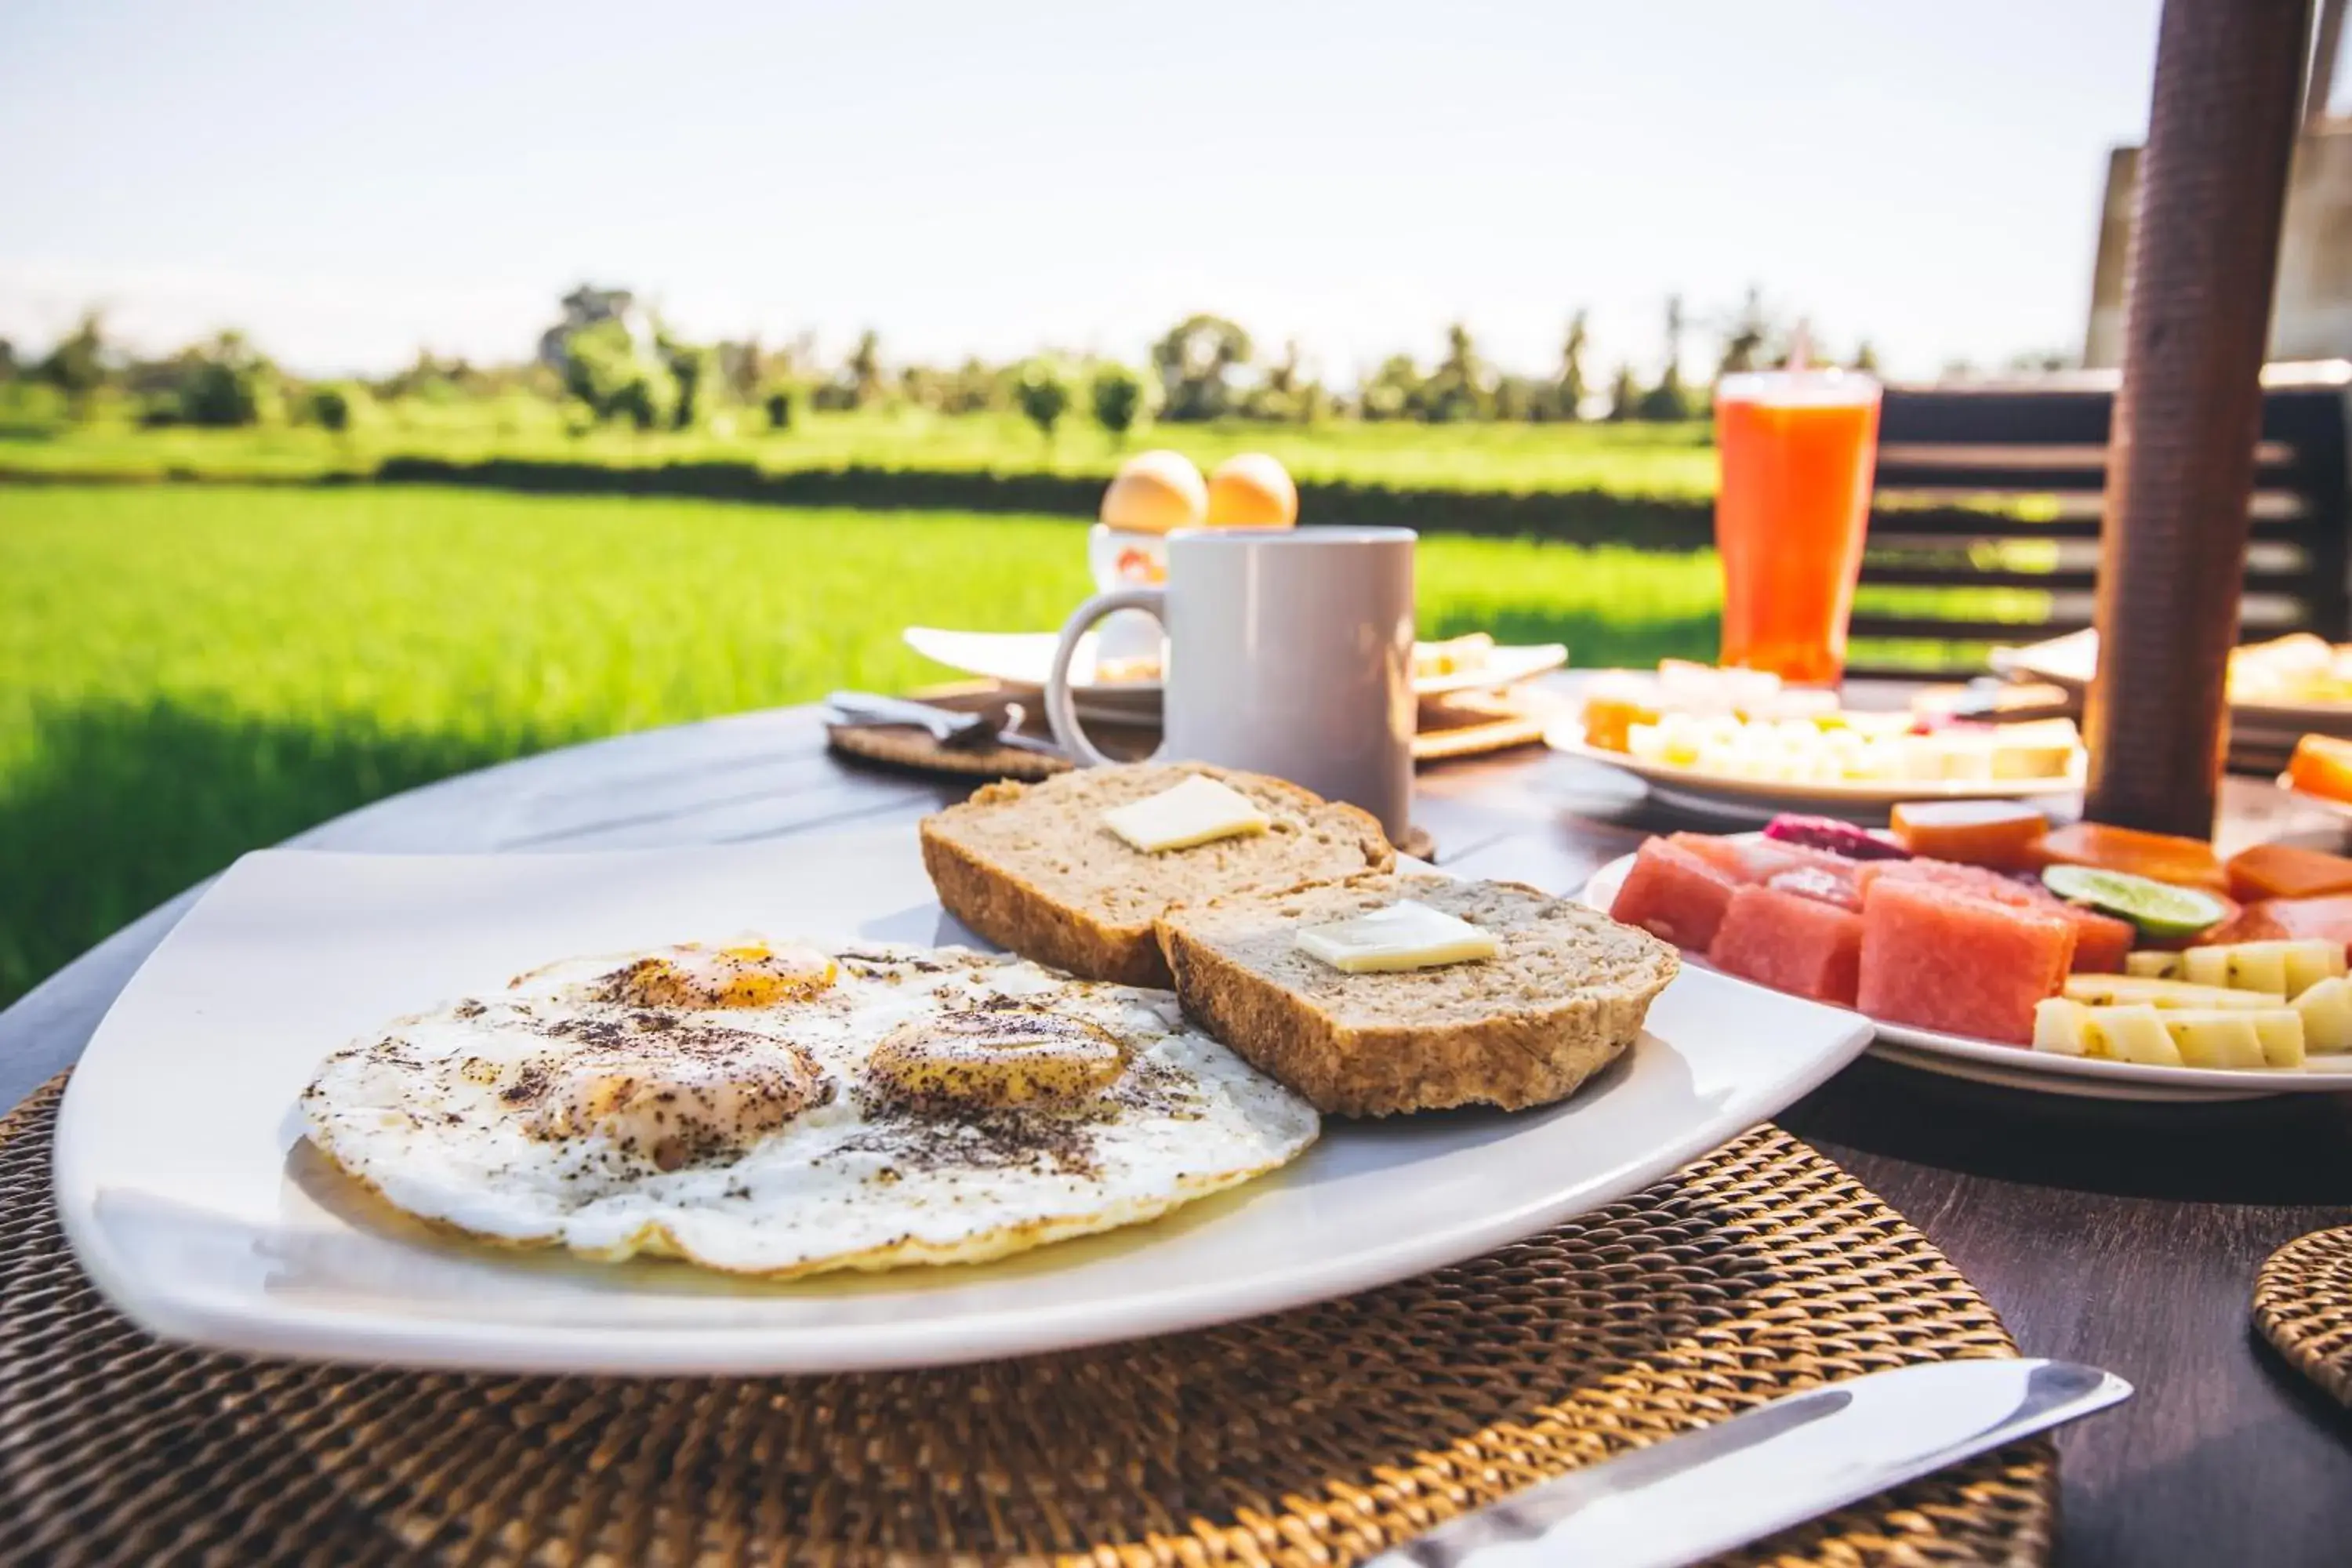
(1796,450)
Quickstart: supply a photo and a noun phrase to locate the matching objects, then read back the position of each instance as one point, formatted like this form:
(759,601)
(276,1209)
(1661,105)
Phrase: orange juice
(1796,451)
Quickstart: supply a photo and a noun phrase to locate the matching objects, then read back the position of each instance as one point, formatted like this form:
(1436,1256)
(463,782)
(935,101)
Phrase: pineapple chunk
(2129,990)
(2134,1033)
(2214,1037)
(2326,1012)
(2311,961)
(2281,1032)
(2206,966)
(2061,1026)
(2289,967)
(2153,965)
(2258,966)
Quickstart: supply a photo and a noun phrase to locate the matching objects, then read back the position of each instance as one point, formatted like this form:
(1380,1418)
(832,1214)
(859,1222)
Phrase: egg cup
(1128,647)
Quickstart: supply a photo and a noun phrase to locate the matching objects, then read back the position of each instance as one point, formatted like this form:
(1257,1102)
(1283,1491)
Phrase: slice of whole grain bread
(1032,868)
(1564,995)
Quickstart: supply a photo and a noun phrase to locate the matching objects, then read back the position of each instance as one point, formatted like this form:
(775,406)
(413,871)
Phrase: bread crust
(1527,1058)
(1010,910)
(1017,915)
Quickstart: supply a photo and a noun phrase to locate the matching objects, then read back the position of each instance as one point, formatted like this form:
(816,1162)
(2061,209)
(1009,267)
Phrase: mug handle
(1061,711)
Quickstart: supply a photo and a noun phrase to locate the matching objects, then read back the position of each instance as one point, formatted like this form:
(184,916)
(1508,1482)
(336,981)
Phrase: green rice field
(189,671)
(1666,460)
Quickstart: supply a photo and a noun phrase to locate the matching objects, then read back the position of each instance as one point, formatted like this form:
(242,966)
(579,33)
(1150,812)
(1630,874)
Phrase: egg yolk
(669,1100)
(996,1058)
(753,975)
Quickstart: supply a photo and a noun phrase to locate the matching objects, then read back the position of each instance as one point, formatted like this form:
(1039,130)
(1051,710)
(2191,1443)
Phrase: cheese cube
(2258,966)
(1197,811)
(2311,961)
(2281,1031)
(1404,935)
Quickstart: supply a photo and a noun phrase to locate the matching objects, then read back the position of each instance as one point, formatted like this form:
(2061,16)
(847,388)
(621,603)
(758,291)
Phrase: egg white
(417,1115)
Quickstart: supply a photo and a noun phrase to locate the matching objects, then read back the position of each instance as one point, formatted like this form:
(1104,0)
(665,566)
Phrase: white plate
(1024,658)
(2016,1067)
(191,1197)
(2070,661)
(1734,799)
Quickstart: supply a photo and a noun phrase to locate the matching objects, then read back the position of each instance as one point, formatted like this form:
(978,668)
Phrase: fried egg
(779,1108)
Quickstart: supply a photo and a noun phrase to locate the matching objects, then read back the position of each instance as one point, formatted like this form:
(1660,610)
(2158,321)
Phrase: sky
(349,184)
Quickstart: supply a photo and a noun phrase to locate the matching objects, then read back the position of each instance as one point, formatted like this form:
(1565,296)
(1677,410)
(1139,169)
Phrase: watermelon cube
(2101,942)
(1791,943)
(1674,894)
(1825,887)
(1943,959)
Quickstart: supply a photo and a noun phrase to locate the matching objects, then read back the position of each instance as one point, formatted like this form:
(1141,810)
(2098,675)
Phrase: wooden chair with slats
(1999,487)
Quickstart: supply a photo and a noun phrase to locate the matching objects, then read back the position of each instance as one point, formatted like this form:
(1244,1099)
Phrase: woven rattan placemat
(2302,1304)
(1311,1437)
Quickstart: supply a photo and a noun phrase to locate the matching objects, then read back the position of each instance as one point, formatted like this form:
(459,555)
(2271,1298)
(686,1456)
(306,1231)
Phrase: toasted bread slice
(1031,866)
(1565,993)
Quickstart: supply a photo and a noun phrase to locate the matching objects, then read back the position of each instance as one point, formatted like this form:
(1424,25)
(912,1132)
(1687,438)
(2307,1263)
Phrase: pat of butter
(1405,935)
(1194,811)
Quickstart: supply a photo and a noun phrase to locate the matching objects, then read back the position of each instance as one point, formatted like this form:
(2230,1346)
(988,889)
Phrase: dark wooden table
(2123,1235)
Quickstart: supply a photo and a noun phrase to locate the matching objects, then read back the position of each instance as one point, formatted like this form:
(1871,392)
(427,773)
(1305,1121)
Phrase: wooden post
(2181,461)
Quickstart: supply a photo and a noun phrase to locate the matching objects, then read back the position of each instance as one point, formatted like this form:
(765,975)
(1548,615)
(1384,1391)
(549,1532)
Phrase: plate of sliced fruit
(1984,943)
(1737,745)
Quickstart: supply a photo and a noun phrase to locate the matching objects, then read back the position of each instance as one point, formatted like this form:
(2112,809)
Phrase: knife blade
(949,726)
(1689,1497)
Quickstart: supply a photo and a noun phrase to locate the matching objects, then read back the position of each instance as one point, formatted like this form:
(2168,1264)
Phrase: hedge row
(1578,517)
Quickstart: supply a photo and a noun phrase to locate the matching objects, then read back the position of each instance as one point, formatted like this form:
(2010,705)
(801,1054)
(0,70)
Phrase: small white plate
(1730,798)
(2071,660)
(1024,658)
(194,1200)
(2017,1067)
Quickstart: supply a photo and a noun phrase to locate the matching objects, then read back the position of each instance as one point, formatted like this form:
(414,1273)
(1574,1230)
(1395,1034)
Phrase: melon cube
(1791,943)
(1946,960)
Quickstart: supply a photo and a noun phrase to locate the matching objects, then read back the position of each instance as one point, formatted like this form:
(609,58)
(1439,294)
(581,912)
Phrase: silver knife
(1692,1496)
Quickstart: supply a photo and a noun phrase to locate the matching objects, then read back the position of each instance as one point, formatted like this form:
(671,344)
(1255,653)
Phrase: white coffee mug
(1290,653)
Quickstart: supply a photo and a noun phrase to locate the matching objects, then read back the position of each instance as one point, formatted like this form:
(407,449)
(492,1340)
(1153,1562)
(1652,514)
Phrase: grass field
(1631,459)
(190,671)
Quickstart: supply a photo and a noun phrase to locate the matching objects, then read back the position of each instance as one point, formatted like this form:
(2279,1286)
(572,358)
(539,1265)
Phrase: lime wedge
(2159,908)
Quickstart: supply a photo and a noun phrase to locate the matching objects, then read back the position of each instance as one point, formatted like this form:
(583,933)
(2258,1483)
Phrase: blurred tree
(696,371)
(1393,391)
(1667,400)
(1572,389)
(1117,395)
(342,407)
(740,365)
(779,403)
(230,384)
(1624,394)
(75,365)
(1520,397)
(862,371)
(2038,361)
(9,368)
(1042,391)
(1457,389)
(606,368)
(1865,358)
(1743,341)
(974,388)
(1195,361)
